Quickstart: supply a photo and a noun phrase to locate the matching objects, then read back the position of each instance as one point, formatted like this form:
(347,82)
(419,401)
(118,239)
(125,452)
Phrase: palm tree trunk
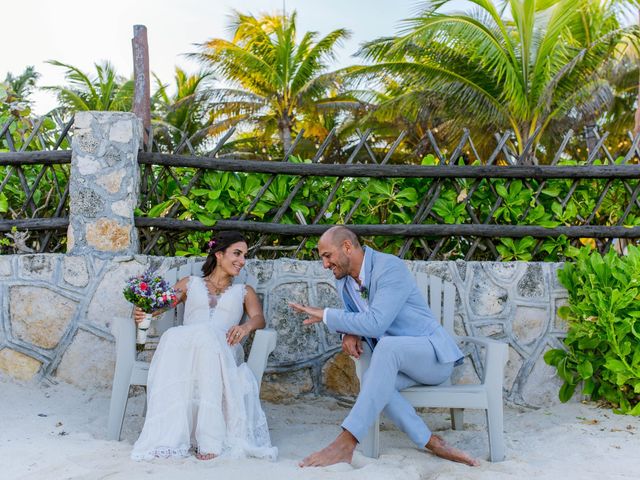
(636,129)
(284,126)
(286,139)
(526,158)
(590,131)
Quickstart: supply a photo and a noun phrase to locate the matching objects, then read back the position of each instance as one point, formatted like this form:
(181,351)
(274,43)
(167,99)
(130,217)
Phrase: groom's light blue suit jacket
(396,307)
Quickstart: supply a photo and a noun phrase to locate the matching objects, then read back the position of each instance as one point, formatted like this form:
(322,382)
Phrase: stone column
(104,184)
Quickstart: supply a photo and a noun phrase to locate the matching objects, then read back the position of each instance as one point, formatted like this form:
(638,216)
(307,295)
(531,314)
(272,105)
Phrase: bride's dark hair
(219,243)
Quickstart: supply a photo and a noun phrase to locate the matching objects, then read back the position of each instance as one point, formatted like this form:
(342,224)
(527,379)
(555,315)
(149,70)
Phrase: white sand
(58,432)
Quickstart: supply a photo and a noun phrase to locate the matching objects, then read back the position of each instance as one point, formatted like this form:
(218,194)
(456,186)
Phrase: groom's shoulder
(386,259)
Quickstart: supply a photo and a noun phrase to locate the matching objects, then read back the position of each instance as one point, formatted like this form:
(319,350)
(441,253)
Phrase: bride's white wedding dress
(200,393)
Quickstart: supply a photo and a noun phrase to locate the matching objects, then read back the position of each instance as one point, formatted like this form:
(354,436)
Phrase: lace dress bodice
(227,311)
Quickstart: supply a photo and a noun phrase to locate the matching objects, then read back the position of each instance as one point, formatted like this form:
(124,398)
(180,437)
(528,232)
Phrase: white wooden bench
(129,371)
(487,395)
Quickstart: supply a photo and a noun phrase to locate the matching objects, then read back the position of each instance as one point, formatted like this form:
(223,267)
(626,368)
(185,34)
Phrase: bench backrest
(441,297)
(175,316)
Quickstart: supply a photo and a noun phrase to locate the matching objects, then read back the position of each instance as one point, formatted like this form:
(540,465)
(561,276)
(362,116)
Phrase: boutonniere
(364,292)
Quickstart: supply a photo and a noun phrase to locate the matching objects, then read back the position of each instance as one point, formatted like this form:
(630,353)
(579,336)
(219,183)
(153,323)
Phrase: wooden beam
(35,224)
(397,171)
(50,157)
(39,157)
(436,230)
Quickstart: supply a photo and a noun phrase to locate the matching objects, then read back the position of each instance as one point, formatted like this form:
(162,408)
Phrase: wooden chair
(486,396)
(129,371)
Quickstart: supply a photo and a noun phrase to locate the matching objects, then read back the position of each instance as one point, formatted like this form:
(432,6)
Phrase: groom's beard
(341,268)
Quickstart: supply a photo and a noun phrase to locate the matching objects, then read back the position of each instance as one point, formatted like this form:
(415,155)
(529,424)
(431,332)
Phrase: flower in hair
(212,244)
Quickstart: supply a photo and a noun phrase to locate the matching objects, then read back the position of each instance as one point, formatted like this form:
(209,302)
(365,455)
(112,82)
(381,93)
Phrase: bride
(200,393)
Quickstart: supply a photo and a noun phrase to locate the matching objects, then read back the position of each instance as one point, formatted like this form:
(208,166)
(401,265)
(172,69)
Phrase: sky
(84,32)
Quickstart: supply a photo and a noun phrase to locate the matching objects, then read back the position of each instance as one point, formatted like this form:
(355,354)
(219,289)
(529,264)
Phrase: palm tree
(106,90)
(520,70)
(184,115)
(390,109)
(275,79)
(636,129)
(22,85)
(15,107)
(619,117)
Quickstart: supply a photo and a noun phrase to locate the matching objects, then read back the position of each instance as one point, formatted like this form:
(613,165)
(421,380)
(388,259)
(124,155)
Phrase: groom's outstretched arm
(314,313)
(351,344)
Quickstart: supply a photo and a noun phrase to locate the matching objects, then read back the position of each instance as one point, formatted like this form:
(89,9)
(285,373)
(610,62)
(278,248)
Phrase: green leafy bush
(603,340)
(550,203)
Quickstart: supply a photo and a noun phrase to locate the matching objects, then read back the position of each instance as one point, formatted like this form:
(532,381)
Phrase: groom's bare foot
(205,456)
(439,447)
(340,450)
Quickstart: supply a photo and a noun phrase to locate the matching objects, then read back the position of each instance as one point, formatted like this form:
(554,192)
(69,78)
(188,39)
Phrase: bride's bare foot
(340,450)
(439,447)
(205,456)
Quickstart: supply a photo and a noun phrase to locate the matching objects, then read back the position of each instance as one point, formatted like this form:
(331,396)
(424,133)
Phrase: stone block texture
(104,184)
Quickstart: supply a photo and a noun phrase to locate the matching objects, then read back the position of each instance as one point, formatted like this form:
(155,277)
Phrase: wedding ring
(237,334)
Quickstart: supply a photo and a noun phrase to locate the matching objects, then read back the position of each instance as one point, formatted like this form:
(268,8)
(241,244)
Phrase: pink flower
(143,286)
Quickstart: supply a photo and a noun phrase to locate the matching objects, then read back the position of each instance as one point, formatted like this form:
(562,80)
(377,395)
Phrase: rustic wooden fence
(612,183)
(450,209)
(34,184)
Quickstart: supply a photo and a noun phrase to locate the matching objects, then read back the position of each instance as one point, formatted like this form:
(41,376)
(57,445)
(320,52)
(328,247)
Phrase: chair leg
(457,418)
(117,407)
(495,426)
(371,443)
(125,332)
(144,409)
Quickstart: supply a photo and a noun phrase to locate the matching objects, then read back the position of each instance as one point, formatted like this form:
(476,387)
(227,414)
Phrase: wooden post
(142,88)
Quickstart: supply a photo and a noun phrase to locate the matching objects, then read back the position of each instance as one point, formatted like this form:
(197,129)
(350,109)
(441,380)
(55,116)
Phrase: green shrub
(603,340)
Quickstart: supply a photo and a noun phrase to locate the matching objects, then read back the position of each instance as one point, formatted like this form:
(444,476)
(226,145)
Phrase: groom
(385,309)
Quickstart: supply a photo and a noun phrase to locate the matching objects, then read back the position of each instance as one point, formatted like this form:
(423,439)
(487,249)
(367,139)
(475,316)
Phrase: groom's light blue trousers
(396,363)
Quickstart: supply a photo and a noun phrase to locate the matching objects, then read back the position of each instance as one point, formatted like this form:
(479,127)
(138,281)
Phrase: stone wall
(56,312)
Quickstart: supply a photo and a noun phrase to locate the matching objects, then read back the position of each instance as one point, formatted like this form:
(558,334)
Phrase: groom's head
(341,252)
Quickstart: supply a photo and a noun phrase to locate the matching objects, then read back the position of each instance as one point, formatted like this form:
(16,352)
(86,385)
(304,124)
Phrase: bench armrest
(496,356)
(264,342)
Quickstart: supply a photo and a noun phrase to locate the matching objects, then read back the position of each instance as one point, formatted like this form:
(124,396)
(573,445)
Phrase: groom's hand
(314,313)
(352,345)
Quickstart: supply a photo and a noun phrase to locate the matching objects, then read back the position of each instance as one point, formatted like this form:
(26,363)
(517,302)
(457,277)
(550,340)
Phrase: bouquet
(149,292)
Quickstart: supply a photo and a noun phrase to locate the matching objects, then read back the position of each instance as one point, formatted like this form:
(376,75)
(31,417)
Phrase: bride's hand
(237,333)
(138,314)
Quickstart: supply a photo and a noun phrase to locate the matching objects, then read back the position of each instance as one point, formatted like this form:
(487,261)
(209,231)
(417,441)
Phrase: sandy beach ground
(58,432)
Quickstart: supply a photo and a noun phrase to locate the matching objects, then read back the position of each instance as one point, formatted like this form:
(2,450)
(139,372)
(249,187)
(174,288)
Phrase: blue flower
(364,292)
